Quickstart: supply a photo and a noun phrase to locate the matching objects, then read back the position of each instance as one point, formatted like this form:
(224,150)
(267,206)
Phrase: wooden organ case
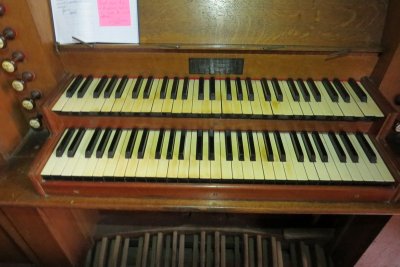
(243,106)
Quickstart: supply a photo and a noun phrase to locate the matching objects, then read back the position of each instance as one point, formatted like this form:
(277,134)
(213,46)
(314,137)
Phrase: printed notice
(114,12)
(95,21)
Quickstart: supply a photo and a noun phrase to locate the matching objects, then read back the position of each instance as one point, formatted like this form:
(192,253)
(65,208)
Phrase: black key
(75,143)
(159,144)
(85,85)
(143,143)
(147,87)
(250,91)
(240,146)
(252,149)
(170,147)
(277,89)
(366,147)
(185,88)
(239,89)
(199,145)
(92,143)
(342,91)
(330,90)
(279,146)
(64,142)
(74,86)
(357,89)
(293,90)
(308,146)
(266,91)
(201,89)
(338,148)
(211,148)
(174,92)
(228,146)
(314,90)
(303,90)
(320,147)
(349,146)
(181,152)
(163,91)
(268,146)
(121,87)
(114,143)
(110,86)
(100,86)
(136,88)
(103,143)
(212,88)
(297,148)
(131,144)
(228,89)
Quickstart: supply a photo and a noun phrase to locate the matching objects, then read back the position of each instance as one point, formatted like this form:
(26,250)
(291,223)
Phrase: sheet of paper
(101,21)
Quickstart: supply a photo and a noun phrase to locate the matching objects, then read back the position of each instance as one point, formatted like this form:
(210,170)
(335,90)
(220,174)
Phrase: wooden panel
(386,71)
(272,22)
(39,59)
(113,61)
(10,252)
(54,235)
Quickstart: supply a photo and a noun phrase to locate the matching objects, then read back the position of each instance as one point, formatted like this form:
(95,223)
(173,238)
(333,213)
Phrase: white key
(340,166)
(187,103)
(138,102)
(205,165)
(174,164)
(122,160)
(131,168)
(128,103)
(53,159)
(247,164)
(158,102)
(257,164)
(109,102)
(369,108)
(58,106)
(82,161)
(309,166)
(236,106)
(119,102)
(226,165)
(143,162)
(216,106)
(226,105)
(358,173)
(246,103)
(326,171)
(194,164)
(383,169)
(162,166)
(279,108)
(167,104)
(102,162)
(334,107)
(290,170)
(215,165)
(92,161)
(184,164)
(152,162)
(265,105)
(237,167)
(268,167)
(279,169)
(287,96)
(178,102)
(112,162)
(148,102)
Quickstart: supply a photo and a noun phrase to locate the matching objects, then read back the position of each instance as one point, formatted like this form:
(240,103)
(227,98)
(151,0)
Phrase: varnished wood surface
(321,22)
(256,65)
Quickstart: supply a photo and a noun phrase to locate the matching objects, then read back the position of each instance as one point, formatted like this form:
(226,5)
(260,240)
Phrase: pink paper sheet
(114,12)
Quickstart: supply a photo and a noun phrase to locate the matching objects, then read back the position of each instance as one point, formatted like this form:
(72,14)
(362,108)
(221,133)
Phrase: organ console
(227,106)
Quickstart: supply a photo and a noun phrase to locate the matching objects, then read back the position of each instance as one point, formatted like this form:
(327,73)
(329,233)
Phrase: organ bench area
(230,125)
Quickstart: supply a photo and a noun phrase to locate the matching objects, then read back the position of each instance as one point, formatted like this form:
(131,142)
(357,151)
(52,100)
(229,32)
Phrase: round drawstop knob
(2,10)
(19,84)
(29,103)
(10,65)
(397,126)
(8,34)
(36,122)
